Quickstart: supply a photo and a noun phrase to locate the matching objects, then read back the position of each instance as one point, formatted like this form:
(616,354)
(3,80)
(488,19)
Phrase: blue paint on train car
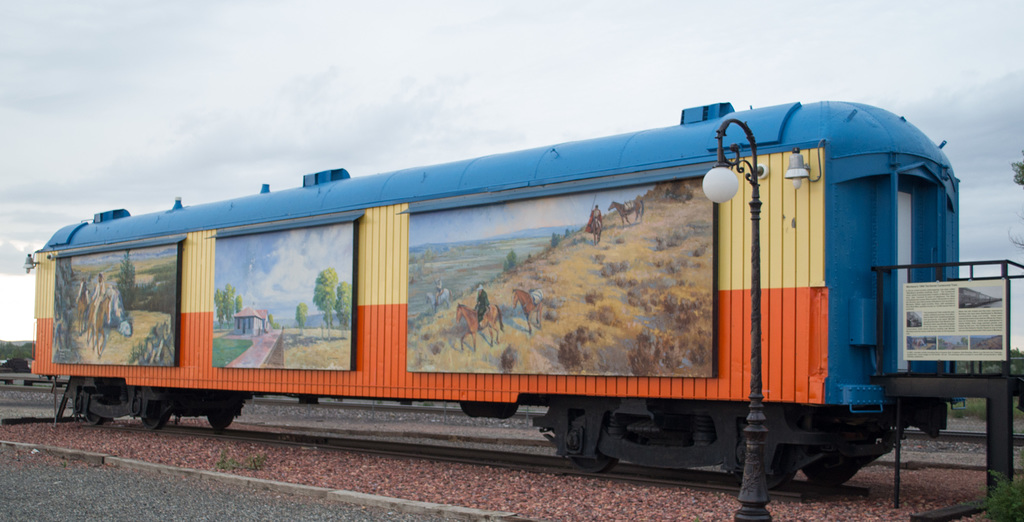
(870,156)
(873,156)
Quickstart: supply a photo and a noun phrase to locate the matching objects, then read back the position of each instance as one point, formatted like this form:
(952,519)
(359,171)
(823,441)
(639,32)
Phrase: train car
(592,277)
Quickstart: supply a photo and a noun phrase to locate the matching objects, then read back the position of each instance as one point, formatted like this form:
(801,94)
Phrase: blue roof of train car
(851,129)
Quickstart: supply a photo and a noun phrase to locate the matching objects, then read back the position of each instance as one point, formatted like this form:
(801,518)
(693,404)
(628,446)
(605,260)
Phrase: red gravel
(531,495)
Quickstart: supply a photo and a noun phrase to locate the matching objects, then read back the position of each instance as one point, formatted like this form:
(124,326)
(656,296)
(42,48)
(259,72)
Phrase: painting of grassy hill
(635,299)
(117,308)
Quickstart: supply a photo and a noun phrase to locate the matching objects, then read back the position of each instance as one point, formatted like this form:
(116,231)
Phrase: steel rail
(552,464)
(444,408)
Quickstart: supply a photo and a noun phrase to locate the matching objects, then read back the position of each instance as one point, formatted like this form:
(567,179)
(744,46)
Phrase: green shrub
(1005,502)
(254,462)
(975,408)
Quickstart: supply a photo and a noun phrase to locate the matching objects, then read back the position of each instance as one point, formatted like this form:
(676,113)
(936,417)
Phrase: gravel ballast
(531,495)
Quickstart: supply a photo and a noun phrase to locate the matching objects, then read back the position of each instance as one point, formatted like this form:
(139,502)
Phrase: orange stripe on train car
(794,366)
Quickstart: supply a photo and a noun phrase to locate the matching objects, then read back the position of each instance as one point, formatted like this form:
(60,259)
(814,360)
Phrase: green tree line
(9,350)
(332,296)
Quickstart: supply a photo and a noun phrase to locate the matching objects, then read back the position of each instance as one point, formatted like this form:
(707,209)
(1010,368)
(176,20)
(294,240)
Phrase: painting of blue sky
(284,299)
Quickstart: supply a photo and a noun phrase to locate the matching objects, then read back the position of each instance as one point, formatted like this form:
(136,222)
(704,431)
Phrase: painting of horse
(106,313)
(594,228)
(491,318)
(531,302)
(81,306)
(436,299)
(634,207)
(102,298)
(606,297)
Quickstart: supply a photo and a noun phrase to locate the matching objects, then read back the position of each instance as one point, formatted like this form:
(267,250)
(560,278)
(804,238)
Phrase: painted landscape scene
(615,282)
(987,342)
(117,308)
(284,299)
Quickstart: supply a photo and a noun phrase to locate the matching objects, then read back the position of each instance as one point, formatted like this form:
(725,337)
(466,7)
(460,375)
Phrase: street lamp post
(720,185)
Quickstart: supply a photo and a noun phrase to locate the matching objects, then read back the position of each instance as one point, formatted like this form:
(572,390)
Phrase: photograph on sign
(955,321)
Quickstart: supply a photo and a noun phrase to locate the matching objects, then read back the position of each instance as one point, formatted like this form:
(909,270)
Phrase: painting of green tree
(117,308)
(283,299)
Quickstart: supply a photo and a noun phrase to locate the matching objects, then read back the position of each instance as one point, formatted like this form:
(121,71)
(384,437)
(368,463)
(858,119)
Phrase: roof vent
(705,113)
(177,204)
(110,215)
(326,176)
(265,189)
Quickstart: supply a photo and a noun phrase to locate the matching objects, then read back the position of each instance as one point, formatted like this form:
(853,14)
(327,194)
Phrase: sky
(495,221)
(276,271)
(128,104)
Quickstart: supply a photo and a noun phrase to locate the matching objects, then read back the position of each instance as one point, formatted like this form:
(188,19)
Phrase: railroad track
(551,464)
(42,384)
(29,382)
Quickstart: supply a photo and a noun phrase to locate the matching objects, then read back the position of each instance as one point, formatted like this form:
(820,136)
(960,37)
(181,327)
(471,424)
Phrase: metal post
(753,494)
(880,321)
(896,460)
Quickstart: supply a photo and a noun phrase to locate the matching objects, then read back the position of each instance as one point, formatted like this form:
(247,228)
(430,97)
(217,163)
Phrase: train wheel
(220,420)
(600,464)
(776,481)
(155,423)
(832,471)
(771,481)
(93,419)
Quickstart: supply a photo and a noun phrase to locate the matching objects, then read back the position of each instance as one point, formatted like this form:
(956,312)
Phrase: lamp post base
(753,495)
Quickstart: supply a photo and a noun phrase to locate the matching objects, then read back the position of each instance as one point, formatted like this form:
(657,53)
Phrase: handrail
(940,275)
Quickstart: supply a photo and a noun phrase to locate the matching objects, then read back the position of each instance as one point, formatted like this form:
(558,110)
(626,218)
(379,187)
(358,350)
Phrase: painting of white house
(283,299)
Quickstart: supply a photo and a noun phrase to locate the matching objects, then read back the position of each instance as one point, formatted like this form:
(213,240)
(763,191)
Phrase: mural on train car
(284,299)
(117,308)
(616,282)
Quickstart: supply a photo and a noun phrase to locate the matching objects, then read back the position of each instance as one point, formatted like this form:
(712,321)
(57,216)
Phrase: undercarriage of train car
(828,443)
(100,399)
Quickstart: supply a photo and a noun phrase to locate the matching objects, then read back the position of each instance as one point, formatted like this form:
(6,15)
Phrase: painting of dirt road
(616,283)
(117,308)
(283,299)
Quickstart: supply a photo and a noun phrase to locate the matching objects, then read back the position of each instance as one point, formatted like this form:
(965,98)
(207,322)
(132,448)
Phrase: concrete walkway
(266,351)
(348,497)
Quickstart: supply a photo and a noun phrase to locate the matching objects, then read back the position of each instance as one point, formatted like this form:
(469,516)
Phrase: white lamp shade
(720,184)
(797,169)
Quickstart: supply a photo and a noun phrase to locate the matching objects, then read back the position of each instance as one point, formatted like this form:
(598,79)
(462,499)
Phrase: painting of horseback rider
(101,302)
(482,303)
(567,287)
(595,224)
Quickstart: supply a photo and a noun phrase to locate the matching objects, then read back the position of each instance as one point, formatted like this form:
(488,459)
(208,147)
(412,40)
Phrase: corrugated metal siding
(792,230)
(794,308)
(794,301)
(46,278)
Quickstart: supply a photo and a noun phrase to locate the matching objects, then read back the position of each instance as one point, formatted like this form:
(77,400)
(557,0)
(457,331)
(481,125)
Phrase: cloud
(984,132)
(12,258)
(126,105)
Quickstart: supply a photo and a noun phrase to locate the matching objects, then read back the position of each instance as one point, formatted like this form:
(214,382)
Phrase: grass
(637,303)
(226,350)
(308,350)
(253,462)
(975,409)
